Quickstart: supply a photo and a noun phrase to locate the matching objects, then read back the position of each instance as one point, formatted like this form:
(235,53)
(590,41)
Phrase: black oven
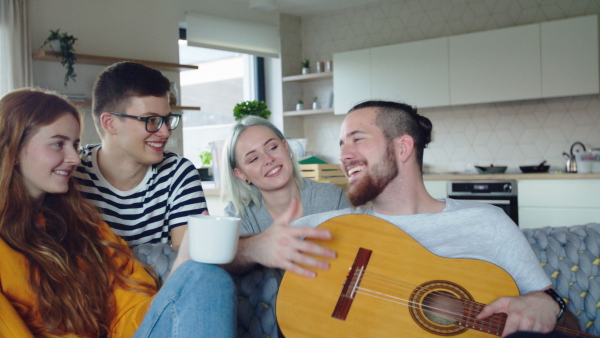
(502,194)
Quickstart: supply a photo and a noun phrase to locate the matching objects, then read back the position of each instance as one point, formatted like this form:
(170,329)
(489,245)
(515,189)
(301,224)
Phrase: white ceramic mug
(213,239)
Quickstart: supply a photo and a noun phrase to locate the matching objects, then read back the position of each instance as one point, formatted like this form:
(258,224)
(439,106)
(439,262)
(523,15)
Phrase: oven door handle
(501,202)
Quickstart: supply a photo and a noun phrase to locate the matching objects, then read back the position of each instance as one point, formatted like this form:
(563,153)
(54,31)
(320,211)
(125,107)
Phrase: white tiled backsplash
(513,133)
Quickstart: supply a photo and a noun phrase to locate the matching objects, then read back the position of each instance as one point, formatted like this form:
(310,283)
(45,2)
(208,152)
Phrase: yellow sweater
(17,299)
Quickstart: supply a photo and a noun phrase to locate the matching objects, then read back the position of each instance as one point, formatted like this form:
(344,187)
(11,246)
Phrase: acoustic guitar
(383,283)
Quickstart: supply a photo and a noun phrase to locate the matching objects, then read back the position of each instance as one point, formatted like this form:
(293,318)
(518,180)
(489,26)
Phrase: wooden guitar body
(392,289)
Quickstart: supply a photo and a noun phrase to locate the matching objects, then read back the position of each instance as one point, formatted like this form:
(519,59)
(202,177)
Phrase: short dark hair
(118,83)
(396,119)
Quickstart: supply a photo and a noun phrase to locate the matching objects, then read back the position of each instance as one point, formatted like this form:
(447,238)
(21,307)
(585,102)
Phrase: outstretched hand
(282,246)
(534,312)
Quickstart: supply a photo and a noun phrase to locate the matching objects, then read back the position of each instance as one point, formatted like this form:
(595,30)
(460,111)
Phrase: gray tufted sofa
(257,295)
(570,255)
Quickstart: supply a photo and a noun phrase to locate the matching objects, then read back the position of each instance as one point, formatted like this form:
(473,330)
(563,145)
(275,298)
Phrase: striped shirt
(168,194)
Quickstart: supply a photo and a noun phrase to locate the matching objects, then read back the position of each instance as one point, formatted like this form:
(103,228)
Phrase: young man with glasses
(144,193)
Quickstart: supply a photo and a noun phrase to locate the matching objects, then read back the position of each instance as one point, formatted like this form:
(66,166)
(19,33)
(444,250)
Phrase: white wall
(522,131)
(512,133)
(136,29)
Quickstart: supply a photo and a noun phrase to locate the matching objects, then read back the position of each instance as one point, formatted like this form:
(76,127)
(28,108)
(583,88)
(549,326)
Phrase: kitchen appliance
(540,168)
(571,164)
(502,194)
(587,161)
(491,169)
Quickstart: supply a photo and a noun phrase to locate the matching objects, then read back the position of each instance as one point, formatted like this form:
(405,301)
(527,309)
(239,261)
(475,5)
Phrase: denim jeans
(198,300)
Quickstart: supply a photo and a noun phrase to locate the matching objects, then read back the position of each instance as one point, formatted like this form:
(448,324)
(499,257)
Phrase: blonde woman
(265,188)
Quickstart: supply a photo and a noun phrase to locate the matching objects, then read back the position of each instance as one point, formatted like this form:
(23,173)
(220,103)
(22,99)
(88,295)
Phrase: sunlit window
(222,80)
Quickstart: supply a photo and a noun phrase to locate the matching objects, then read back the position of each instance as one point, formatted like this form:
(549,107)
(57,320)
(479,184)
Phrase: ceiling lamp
(263,5)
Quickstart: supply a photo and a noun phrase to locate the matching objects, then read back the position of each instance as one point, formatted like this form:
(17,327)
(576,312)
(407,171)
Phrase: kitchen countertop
(509,176)
(209,190)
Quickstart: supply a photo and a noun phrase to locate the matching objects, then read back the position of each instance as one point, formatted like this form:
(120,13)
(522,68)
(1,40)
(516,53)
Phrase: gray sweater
(259,286)
(316,197)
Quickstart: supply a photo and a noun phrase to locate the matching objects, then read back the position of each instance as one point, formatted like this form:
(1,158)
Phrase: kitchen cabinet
(437,189)
(558,202)
(306,78)
(498,65)
(423,78)
(351,79)
(550,59)
(570,57)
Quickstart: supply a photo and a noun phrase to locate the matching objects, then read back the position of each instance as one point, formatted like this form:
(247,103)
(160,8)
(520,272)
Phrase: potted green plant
(205,169)
(65,46)
(315,104)
(300,105)
(257,108)
(305,66)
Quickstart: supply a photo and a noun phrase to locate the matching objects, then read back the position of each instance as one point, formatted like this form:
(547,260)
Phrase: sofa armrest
(570,256)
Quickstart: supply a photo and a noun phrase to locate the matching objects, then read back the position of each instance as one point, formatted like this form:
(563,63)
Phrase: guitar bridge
(352,283)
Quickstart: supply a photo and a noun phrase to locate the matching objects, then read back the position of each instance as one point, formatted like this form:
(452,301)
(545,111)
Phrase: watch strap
(561,303)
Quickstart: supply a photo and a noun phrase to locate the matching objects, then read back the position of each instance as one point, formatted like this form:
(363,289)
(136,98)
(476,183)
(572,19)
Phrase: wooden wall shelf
(308,112)
(308,77)
(45,55)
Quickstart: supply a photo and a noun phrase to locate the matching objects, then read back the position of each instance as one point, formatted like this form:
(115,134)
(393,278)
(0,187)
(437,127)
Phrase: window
(222,80)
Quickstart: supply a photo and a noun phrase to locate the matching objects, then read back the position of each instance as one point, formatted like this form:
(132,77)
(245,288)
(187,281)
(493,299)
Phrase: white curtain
(15,50)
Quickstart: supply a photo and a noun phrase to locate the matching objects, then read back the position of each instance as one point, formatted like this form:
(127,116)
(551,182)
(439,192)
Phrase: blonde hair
(235,190)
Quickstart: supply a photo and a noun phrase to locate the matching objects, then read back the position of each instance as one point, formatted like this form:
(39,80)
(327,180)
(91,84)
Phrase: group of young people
(69,215)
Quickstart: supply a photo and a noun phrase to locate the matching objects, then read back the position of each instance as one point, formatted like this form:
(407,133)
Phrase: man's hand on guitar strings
(534,312)
(282,246)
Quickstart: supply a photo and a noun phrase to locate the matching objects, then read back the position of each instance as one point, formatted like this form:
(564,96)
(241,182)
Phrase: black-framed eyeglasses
(154,123)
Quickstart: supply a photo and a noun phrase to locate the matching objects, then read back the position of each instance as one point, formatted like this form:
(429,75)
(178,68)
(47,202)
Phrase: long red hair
(72,271)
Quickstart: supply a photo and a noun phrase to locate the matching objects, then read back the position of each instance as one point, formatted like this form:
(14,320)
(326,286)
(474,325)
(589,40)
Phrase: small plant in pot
(205,169)
(315,104)
(257,108)
(300,105)
(305,66)
(65,46)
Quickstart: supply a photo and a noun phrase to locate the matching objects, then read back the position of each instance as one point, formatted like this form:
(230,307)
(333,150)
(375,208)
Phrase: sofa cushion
(570,256)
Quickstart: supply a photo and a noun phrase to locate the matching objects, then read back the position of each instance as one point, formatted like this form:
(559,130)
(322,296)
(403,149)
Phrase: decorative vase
(320,67)
(299,106)
(305,70)
(329,66)
(206,174)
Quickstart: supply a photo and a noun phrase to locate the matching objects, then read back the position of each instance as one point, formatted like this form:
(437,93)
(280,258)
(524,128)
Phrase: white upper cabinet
(351,79)
(551,59)
(570,57)
(498,65)
(415,73)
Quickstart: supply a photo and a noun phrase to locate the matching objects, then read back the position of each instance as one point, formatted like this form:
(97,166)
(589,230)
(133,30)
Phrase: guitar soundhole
(437,306)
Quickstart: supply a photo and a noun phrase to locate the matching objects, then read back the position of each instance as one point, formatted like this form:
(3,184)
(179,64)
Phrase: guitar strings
(467,310)
(470,309)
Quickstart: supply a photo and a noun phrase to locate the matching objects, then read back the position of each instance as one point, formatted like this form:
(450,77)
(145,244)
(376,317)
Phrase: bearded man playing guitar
(382,146)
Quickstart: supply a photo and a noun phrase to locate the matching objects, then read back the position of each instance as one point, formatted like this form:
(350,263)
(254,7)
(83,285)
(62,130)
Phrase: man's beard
(371,185)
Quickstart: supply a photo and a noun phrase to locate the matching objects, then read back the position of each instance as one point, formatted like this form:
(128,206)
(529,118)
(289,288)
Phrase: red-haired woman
(63,272)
